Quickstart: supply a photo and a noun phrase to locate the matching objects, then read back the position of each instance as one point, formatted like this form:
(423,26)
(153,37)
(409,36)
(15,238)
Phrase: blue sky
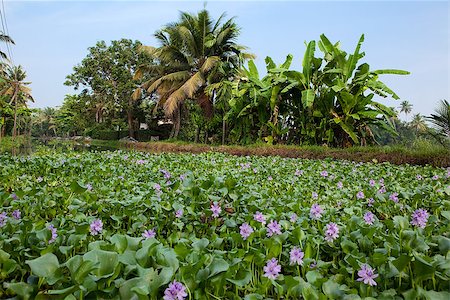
(51,37)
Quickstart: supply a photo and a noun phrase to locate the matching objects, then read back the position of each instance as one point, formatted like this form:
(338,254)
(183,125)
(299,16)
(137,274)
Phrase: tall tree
(405,107)
(106,75)
(441,118)
(194,53)
(6,39)
(16,89)
(418,123)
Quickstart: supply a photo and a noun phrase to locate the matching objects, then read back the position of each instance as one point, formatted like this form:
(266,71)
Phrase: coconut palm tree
(6,39)
(16,90)
(418,123)
(441,118)
(405,107)
(195,52)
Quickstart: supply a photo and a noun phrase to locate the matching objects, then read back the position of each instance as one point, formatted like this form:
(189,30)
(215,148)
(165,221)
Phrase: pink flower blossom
(272,269)
(367,275)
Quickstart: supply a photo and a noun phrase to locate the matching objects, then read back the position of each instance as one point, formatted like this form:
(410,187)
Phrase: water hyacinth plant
(218,230)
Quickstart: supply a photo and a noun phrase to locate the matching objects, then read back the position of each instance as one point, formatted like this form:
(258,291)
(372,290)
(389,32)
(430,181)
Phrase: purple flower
(157,188)
(89,187)
(296,256)
(298,172)
(215,208)
(245,230)
(120,177)
(182,177)
(369,218)
(270,178)
(273,228)
(148,234)
(272,269)
(293,217)
(39,179)
(14,196)
(166,174)
(314,195)
(435,177)
(175,291)
(255,170)
(3,217)
(259,217)
(394,197)
(179,213)
(53,230)
(367,275)
(420,218)
(372,182)
(340,185)
(315,211)
(324,173)
(140,162)
(360,195)
(382,190)
(332,232)
(419,177)
(313,265)
(381,181)
(16,214)
(370,202)
(96,227)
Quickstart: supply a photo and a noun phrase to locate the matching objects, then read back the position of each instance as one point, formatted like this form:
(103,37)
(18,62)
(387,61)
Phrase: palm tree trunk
(177,123)
(14,99)
(15,117)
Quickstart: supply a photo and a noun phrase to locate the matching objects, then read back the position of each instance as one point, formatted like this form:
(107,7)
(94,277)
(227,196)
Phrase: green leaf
(332,290)
(45,266)
(253,70)
(76,187)
(21,289)
(353,59)
(308,98)
(107,262)
(307,61)
(201,244)
(392,71)
(242,278)
(217,266)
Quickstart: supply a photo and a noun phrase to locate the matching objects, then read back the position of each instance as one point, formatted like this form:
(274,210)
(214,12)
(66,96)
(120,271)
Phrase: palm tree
(195,52)
(16,90)
(441,118)
(405,107)
(418,123)
(6,39)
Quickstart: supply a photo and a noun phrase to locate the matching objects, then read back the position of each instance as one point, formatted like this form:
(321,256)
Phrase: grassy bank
(420,154)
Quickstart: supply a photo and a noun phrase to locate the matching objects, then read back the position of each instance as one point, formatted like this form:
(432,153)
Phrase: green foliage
(207,254)
(105,77)
(330,101)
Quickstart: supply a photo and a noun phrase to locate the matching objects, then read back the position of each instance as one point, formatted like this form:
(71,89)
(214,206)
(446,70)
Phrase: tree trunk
(224,129)
(206,135)
(177,123)
(130,123)
(197,134)
(15,121)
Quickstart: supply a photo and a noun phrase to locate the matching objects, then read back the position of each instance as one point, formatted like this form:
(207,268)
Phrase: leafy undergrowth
(125,225)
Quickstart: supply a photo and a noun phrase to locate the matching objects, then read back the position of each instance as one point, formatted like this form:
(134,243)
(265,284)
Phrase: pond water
(35,145)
